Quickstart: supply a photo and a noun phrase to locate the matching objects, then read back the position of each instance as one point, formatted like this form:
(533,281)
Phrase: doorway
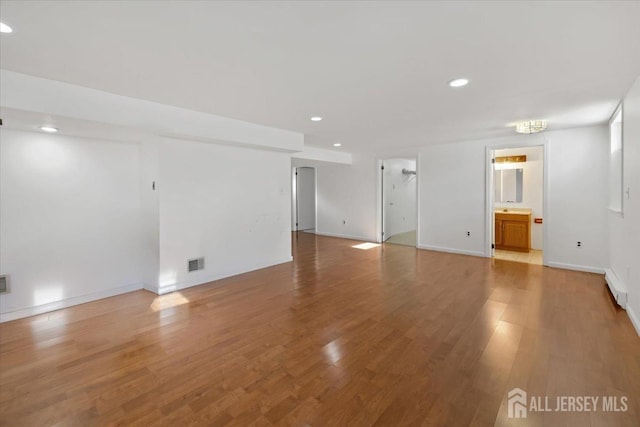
(304,194)
(517,204)
(399,201)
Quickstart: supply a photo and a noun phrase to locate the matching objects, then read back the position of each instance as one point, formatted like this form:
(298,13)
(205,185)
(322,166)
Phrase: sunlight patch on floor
(168,301)
(365,246)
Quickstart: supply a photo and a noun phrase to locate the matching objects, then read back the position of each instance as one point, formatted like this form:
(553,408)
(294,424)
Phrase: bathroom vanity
(513,229)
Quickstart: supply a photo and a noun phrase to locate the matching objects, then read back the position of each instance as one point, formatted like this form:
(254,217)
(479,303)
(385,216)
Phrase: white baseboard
(345,236)
(161,290)
(451,250)
(151,288)
(635,321)
(617,288)
(69,302)
(574,267)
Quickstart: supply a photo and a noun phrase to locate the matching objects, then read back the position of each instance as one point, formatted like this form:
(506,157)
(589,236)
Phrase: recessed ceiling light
(337,144)
(49,129)
(531,126)
(316,118)
(4,28)
(459,82)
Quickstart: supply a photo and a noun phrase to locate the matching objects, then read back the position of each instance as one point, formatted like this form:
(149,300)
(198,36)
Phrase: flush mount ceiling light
(316,118)
(49,129)
(4,28)
(459,82)
(531,126)
(337,144)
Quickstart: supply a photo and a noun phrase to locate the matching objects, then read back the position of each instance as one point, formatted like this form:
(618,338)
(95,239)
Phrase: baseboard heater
(617,288)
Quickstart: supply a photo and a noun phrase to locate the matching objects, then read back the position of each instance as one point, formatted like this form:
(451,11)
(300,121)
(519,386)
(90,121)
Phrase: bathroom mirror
(508,185)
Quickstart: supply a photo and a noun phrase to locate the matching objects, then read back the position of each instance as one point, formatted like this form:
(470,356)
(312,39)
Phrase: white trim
(315,201)
(418,222)
(345,236)
(294,198)
(150,288)
(586,268)
(451,250)
(618,289)
(212,278)
(635,321)
(69,302)
(545,202)
(489,154)
(379,201)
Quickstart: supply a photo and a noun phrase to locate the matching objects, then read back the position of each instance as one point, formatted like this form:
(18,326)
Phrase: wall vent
(4,284)
(195,264)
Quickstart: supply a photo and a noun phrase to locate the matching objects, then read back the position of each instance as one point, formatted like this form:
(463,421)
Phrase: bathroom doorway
(399,201)
(517,204)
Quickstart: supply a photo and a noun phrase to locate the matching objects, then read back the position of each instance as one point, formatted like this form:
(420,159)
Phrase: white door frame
(294,196)
(540,141)
(380,199)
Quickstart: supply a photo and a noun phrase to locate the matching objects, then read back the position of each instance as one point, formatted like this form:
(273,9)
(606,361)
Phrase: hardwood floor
(343,336)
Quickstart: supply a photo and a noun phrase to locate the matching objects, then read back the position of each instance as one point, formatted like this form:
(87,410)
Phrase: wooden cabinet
(513,231)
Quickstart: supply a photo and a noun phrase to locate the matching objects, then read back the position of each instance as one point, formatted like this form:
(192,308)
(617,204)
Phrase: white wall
(80,219)
(624,241)
(452,197)
(312,154)
(71,218)
(400,197)
(346,199)
(578,198)
(532,186)
(229,205)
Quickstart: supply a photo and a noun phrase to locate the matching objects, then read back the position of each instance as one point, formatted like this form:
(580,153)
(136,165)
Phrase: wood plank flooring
(342,336)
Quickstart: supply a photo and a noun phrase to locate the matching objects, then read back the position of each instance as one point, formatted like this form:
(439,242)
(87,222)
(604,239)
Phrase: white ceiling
(376,71)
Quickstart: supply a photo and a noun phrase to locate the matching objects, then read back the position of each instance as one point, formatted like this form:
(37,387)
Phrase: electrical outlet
(468,234)
(579,244)
(344,221)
